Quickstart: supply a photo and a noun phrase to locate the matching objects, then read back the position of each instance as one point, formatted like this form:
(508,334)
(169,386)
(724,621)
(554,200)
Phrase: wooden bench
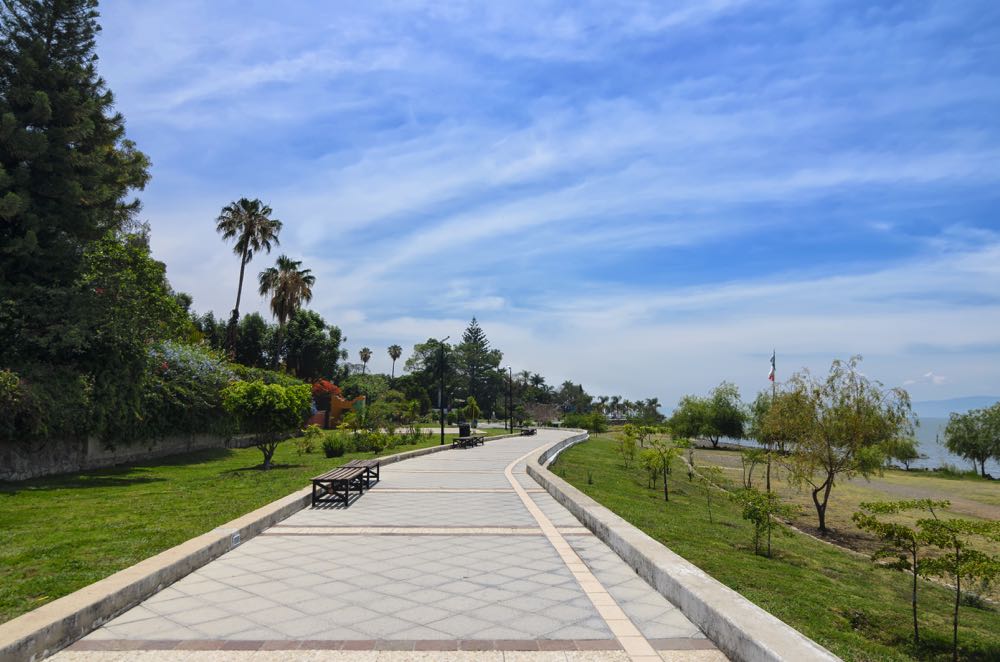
(527,432)
(335,486)
(467,442)
(371,468)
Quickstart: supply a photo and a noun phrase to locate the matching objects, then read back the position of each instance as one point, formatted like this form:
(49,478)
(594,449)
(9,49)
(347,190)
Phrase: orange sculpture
(331,403)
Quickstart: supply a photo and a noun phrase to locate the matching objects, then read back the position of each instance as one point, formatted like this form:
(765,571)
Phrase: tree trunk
(916,627)
(235,318)
(958,599)
(666,491)
(715,441)
(239,289)
(268,451)
(393,370)
(982,467)
(821,505)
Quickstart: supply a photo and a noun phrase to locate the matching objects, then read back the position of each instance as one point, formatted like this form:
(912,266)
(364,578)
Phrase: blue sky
(645,197)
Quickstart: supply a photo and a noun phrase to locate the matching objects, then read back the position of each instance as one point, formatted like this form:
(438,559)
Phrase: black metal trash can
(464,430)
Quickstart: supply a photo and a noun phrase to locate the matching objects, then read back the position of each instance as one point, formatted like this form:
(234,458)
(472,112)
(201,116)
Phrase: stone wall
(69,456)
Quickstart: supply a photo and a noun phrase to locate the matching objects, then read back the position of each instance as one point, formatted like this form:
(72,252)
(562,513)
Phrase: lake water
(930,431)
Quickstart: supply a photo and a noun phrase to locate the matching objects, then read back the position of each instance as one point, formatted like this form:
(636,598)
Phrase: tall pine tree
(66,172)
(478,365)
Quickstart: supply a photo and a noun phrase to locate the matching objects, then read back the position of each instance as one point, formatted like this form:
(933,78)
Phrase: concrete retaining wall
(741,629)
(44,631)
(60,456)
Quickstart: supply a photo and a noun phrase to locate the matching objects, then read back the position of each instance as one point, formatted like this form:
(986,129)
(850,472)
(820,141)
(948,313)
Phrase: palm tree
(365,355)
(250,222)
(288,285)
(395,351)
(615,403)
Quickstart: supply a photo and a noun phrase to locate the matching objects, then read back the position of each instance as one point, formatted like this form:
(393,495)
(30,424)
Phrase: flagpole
(774,396)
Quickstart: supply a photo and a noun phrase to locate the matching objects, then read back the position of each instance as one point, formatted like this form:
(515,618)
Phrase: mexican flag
(770,375)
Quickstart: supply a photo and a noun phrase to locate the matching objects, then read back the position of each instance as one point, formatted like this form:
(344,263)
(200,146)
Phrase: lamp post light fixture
(441,386)
(510,391)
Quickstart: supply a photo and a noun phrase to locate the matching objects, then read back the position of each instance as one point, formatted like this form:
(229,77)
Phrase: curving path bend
(457,555)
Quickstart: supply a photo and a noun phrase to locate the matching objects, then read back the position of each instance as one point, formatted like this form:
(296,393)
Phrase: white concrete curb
(44,631)
(741,629)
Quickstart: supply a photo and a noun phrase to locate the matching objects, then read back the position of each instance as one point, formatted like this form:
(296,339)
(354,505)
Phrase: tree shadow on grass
(124,477)
(259,468)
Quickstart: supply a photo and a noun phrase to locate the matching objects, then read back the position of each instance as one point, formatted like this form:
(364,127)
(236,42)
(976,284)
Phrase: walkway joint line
(636,646)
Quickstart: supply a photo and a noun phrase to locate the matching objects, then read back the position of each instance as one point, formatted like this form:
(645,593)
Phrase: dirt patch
(959,505)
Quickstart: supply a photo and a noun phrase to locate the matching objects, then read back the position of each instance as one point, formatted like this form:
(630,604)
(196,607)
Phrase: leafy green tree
(573,399)
(211,330)
(627,448)
(719,415)
(130,306)
(288,285)
(668,450)
(762,509)
(472,410)
(249,222)
(975,435)
(901,544)
(270,412)
(838,426)
(749,459)
(253,341)
(312,348)
(651,462)
(641,433)
(959,560)
(365,355)
(904,449)
(395,351)
(373,387)
(424,366)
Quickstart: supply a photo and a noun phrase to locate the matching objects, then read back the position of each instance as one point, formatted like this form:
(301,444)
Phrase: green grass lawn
(61,533)
(836,598)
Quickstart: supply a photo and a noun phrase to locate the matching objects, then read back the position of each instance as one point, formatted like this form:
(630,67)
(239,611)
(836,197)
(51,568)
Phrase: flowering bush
(325,388)
(182,391)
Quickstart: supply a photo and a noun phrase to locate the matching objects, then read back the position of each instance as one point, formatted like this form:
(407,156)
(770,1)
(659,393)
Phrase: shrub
(182,391)
(41,403)
(652,463)
(268,411)
(311,436)
(592,422)
(334,447)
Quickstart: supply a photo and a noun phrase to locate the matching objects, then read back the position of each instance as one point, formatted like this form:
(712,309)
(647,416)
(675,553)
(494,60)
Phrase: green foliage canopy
(269,412)
(975,435)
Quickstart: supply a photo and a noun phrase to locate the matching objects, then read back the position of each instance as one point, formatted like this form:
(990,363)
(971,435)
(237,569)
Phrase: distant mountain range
(941,408)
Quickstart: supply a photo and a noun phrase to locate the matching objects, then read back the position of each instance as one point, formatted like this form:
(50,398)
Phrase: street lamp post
(441,386)
(510,397)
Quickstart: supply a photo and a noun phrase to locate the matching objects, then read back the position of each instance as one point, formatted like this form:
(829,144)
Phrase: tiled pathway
(449,557)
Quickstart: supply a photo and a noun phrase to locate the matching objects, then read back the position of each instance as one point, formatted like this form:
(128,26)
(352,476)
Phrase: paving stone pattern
(407,591)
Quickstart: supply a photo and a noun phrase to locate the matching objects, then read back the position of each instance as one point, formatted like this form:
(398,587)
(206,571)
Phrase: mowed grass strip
(61,533)
(838,599)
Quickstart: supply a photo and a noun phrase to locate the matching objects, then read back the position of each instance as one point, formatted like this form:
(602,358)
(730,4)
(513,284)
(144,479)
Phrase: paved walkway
(457,555)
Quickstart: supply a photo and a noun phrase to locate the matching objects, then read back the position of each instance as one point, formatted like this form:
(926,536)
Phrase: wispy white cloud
(643,196)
